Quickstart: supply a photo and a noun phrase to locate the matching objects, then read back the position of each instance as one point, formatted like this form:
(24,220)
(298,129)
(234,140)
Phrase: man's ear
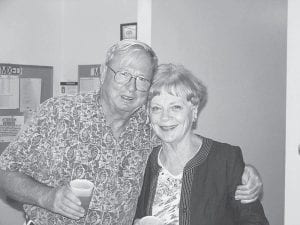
(103,73)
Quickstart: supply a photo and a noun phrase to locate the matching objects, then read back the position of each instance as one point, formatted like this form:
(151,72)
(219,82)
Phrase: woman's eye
(155,109)
(176,107)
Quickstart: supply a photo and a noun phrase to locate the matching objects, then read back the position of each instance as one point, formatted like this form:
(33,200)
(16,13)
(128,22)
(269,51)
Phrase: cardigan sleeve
(141,205)
(244,214)
(141,209)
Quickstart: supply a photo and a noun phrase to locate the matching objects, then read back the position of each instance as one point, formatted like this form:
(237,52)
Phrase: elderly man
(103,137)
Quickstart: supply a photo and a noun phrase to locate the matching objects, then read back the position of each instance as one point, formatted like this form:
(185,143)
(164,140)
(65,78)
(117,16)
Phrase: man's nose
(132,84)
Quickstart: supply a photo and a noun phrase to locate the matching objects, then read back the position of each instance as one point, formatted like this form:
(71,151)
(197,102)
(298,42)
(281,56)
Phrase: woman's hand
(252,186)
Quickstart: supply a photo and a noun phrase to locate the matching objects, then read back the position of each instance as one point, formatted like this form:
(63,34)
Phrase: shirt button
(184,210)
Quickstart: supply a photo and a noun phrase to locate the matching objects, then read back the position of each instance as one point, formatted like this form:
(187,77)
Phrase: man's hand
(252,186)
(62,200)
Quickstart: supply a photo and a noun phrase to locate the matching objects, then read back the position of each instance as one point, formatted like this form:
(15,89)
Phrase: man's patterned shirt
(67,139)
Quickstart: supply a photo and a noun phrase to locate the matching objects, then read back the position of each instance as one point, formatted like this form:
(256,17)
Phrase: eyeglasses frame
(132,76)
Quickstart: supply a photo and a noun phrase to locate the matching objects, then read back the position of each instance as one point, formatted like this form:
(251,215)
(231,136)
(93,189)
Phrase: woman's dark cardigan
(208,186)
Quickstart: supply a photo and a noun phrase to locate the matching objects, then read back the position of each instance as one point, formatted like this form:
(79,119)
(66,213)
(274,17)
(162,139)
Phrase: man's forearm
(23,188)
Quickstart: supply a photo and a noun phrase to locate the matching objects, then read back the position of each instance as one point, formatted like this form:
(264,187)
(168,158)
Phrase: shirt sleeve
(244,214)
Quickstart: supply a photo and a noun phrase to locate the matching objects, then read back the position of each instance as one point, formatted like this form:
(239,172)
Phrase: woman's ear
(195,116)
(195,113)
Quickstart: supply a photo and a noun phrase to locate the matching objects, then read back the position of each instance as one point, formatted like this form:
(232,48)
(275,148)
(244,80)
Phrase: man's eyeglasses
(124,77)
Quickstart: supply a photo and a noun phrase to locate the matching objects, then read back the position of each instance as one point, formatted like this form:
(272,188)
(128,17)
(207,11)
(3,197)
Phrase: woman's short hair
(129,46)
(178,81)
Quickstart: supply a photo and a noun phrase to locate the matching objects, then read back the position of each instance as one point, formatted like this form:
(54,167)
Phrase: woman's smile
(171,117)
(168,128)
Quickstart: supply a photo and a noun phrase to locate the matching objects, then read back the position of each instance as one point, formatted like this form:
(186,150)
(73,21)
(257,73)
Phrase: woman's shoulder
(224,146)
(226,157)
(224,150)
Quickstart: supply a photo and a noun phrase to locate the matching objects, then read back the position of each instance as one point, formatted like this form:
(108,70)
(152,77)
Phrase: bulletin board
(89,77)
(22,88)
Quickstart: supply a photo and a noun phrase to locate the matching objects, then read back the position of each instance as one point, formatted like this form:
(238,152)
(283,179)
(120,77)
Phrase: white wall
(238,48)
(144,13)
(292,181)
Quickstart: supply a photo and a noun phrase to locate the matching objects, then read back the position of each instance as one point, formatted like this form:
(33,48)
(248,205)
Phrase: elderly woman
(190,179)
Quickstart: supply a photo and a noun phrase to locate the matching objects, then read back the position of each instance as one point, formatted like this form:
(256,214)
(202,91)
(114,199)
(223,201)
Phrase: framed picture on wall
(128,31)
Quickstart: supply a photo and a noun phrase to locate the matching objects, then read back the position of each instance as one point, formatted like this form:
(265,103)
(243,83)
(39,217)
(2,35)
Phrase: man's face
(126,98)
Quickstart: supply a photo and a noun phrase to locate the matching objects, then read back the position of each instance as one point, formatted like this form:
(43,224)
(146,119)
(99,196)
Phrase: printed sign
(10,70)
(68,88)
(10,127)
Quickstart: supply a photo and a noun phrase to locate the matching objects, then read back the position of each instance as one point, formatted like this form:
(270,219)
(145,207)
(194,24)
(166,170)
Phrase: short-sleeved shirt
(67,139)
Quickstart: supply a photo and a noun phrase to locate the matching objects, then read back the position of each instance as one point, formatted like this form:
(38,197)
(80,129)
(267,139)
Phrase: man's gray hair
(126,46)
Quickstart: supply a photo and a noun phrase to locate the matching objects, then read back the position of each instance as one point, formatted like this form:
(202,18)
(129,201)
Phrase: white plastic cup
(83,189)
(150,220)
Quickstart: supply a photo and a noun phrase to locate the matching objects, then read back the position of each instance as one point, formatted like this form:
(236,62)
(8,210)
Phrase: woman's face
(171,117)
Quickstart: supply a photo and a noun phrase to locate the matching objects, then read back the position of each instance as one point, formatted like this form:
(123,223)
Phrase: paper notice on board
(88,84)
(10,127)
(30,93)
(9,92)
(68,88)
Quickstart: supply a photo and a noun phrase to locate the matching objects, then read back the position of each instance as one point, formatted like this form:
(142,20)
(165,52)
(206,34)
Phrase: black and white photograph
(149,112)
